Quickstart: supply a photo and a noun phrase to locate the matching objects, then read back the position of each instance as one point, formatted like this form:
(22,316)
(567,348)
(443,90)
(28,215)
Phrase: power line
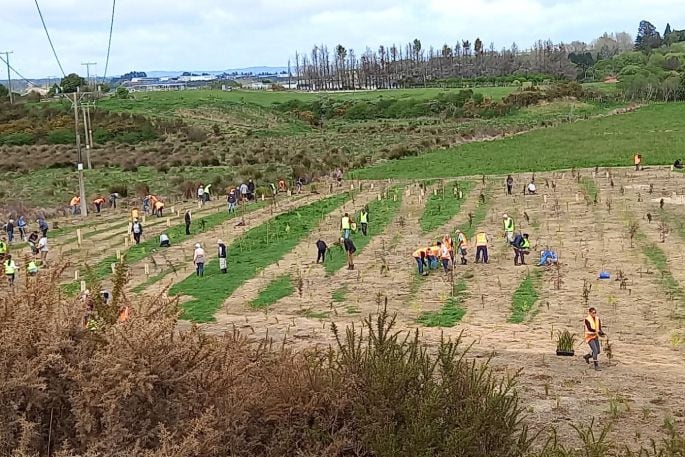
(6,62)
(49,39)
(109,44)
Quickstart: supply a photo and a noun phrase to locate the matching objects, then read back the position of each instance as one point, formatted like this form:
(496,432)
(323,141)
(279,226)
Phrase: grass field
(258,248)
(656,131)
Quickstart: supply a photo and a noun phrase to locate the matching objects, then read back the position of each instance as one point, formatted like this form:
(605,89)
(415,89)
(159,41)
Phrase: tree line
(412,65)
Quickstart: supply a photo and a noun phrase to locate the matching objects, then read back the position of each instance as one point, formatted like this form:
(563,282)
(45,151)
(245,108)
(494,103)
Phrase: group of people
(38,243)
(443,251)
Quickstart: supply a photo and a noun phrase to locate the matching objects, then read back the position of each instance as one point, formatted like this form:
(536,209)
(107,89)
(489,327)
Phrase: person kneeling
(164,241)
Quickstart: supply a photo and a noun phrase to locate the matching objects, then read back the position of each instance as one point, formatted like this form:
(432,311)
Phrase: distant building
(42,91)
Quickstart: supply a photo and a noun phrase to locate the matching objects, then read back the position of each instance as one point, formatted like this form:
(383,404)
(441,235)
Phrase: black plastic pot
(566,353)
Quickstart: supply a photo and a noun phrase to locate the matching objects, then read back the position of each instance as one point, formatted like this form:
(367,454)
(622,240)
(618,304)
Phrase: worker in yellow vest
(481,247)
(32,268)
(364,220)
(135,214)
(3,248)
(420,256)
(508,228)
(593,330)
(10,269)
(346,226)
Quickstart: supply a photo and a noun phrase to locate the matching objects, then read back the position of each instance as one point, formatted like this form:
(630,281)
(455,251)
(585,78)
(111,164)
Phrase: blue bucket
(604,275)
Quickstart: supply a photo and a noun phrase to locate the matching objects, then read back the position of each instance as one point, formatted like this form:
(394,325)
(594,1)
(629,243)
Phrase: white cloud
(217,34)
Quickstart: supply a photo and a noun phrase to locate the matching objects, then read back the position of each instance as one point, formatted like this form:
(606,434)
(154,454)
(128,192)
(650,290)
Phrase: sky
(220,34)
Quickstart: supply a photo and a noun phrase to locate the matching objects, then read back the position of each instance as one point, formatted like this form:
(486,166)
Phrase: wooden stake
(143,218)
(75,275)
(262,197)
(126,238)
(371,186)
(147,269)
(168,222)
(83,286)
(78,237)
(118,254)
(113,267)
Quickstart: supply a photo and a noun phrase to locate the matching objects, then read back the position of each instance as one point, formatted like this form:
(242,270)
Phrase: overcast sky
(221,34)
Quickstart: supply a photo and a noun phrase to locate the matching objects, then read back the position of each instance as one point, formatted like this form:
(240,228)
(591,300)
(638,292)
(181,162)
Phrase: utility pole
(79,165)
(88,64)
(9,76)
(86,127)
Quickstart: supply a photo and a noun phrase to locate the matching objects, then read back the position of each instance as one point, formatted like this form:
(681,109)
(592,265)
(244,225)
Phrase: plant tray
(566,353)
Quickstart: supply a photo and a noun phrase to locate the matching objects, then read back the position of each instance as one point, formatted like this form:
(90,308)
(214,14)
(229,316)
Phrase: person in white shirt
(199,260)
(164,241)
(43,249)
(532,189)
(200,195)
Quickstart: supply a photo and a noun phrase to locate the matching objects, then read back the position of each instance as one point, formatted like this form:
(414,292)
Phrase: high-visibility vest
(445,253)
(159,204)
(32,267)
(420,251)
(595,324)
(10,267)
(525,244)
(447,241)
(637,159)
(508,224)
(3,247)
(124,314)
(134,214)
(346,223)
(364,217)
(435,251)
(462,239)
(481,239)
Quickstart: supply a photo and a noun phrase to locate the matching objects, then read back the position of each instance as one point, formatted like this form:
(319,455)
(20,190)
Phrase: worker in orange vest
(593,330)
(159,206)
(75,204)
(637,159)
(124,313)
(420,256)
(447,240)
(98,202)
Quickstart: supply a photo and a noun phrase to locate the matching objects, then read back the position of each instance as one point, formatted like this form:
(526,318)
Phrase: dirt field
(640,386)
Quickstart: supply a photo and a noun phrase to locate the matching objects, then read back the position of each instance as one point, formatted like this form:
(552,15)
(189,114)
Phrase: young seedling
(649,218)
(632,231)
(663,231)
(587,288)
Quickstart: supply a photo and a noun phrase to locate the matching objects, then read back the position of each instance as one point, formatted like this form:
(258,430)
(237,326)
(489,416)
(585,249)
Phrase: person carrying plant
(137,230)
(364,220)
(508,227)
(199,260)
(481,247)
(223,254)
(187,218)
(593,330)
(350,248)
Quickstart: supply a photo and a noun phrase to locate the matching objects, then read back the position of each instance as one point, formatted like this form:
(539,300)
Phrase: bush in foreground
(144,388)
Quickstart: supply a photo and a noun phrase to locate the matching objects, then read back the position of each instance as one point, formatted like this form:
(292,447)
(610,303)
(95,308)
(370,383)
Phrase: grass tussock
(451,312)
(144,388)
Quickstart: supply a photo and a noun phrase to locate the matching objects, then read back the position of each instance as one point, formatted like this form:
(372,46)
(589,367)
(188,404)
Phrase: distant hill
(240,71)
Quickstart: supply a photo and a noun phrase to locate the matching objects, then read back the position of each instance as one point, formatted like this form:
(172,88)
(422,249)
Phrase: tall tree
(72,82)
(647,37)
(667,32)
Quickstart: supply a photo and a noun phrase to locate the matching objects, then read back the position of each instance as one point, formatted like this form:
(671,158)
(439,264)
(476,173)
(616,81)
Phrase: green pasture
(656,131)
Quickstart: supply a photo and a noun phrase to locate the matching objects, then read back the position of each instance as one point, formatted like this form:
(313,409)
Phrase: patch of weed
(443,205)
(280,287)
(525,297)
(450,313)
